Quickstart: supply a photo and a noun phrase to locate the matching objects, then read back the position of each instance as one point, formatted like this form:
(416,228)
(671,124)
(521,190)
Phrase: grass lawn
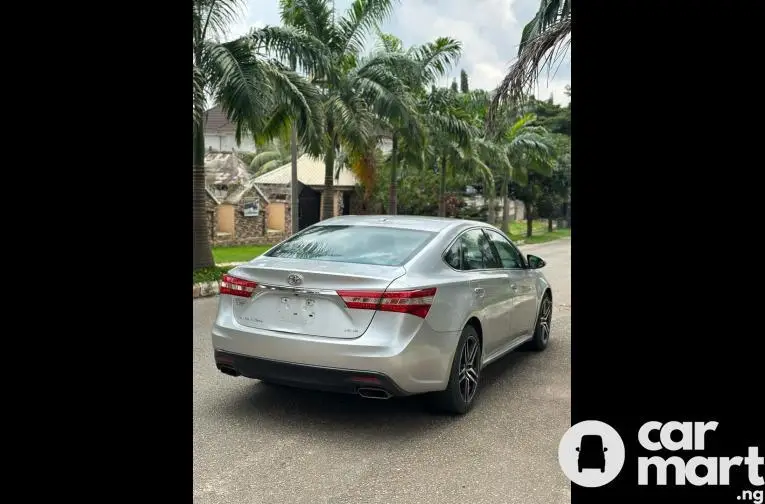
(238,254)
(210,274)
(228,255)
(539,234)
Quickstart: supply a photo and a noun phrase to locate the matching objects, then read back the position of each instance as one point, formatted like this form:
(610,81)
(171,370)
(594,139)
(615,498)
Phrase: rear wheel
(542,330)
(464,377)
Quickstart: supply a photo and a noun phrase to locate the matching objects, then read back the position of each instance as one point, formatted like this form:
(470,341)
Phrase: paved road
(259,444)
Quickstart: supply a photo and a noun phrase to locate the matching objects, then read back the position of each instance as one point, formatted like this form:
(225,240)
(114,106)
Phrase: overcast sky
(488,29)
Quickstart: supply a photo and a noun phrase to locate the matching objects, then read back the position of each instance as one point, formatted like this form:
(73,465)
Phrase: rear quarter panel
(454,303)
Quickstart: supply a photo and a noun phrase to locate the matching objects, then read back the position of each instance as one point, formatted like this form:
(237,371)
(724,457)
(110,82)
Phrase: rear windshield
(354,244)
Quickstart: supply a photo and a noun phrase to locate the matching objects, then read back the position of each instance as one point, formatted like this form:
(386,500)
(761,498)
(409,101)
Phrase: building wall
(226,219)
(211,209)
(338,202)
(280,193)
(275,212)
(223,142)
(249,227)
(515,207)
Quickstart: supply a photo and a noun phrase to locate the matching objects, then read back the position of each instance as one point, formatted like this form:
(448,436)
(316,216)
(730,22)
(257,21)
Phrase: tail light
(237,286)
(414,302)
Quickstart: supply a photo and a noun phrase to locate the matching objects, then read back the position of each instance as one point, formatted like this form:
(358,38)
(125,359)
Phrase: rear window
(354,244)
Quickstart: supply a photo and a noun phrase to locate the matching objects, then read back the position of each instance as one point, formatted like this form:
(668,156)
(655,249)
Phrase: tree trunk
(327,197)
(568,214)
(202,252)
(295,193)
(392,201)
(529,220)
(505,206)
(549,225)
(488,198)
(442,189)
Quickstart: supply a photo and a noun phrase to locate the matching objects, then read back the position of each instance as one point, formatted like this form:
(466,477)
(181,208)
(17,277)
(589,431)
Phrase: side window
(476,251)
(452,256)
(508,254)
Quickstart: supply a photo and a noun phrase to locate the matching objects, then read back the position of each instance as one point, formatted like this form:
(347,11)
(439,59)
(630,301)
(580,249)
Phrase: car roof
(434,224)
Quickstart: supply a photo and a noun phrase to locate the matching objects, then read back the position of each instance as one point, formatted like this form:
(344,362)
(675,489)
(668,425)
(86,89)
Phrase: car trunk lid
(300,296)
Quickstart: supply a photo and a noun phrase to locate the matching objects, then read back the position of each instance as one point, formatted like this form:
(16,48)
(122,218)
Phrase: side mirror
(535,262)
(577,448)
(605,449)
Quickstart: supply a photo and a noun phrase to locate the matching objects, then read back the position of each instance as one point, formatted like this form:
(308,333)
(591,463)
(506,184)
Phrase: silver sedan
(381,307)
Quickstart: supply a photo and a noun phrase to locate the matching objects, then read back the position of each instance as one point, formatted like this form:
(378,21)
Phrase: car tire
(464,376)
(542,330)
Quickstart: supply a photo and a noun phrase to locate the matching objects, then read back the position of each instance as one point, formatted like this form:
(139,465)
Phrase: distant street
(258,444)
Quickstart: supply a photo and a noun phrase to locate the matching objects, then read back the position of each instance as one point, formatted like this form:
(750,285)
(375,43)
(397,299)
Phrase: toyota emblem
(294,279)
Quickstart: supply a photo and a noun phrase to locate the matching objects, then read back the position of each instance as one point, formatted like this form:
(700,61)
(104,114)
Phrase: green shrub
(210,274)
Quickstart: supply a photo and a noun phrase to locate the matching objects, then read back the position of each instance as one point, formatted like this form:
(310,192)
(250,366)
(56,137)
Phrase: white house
(220,134)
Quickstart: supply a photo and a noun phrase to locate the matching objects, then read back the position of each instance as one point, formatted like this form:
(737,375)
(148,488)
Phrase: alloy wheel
(469,366)
(544,319)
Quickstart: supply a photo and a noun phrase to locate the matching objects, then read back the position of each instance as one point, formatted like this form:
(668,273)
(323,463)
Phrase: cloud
(489,30)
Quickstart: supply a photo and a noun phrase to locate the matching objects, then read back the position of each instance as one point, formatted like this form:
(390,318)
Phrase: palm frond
(361,17)
(524,72)
(384,91)
(387,42)
(314,16)
(437,58)
(302,101)
(302,50)
(270,166)
(239,82)
(550,12)
(214,16)
(264,157)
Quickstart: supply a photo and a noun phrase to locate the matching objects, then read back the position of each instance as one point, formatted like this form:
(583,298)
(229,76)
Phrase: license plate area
(297,309)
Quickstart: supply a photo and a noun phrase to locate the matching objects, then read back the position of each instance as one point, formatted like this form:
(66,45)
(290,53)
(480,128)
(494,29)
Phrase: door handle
(480,292)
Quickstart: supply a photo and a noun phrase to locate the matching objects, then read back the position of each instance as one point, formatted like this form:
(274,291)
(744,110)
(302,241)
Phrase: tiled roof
(225,168)
(216,122)
(211,195)
(310,173)
(236,196)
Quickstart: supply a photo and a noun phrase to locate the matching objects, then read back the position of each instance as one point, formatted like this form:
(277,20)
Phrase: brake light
(237,286)
(414,302)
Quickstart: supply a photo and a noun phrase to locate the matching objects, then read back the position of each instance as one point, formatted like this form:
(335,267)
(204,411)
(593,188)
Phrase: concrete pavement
(265,444)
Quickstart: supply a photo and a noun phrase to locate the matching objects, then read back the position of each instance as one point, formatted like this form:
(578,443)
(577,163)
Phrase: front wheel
(465,375)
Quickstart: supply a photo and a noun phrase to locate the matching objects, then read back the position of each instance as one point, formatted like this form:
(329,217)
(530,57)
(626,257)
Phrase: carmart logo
(716,470)
(591,454)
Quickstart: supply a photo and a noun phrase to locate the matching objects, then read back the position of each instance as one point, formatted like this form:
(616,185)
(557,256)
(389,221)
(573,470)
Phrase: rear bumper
(303,376)
(404,353)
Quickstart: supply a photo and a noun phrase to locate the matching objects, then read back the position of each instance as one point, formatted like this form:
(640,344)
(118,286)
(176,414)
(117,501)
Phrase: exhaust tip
(374,393)
(227,370)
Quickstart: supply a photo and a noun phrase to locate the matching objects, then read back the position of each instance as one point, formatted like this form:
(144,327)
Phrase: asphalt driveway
(265,444)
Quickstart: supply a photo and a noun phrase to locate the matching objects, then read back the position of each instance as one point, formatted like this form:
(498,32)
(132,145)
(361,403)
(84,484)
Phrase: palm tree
(249,86)
(528,149)
(450,135)
(356,90)
(270,156)
(420,66)
(489,145)
(541,41)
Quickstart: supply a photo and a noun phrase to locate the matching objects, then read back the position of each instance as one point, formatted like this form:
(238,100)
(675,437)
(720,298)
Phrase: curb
(206,289)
